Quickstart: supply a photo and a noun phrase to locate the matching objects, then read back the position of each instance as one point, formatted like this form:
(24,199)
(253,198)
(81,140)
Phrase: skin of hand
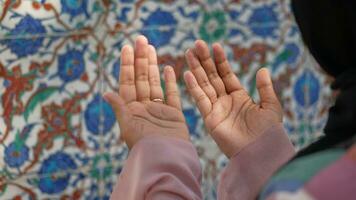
(136,107)
(232,118)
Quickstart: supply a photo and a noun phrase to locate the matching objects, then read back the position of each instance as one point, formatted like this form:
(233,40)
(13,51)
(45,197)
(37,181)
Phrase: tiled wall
(60,140)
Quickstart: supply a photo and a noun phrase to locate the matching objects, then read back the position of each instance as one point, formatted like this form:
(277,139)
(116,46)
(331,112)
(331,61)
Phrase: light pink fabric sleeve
(248,171)
(160,167)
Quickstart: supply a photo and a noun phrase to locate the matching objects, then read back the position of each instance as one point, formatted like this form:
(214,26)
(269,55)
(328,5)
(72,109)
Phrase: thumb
(265,90)
(117,103)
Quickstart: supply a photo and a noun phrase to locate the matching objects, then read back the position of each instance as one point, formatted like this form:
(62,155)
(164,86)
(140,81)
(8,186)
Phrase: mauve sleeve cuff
(160,167)
(248,170)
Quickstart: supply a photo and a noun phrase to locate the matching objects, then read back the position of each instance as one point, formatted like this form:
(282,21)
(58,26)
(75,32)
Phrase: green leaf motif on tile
(40,97)
(213,26)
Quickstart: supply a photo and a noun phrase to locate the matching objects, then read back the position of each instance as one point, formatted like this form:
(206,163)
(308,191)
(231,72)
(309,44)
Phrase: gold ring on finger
(158,100)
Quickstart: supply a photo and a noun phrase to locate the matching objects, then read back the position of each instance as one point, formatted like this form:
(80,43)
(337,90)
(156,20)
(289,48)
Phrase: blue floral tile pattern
(59,139)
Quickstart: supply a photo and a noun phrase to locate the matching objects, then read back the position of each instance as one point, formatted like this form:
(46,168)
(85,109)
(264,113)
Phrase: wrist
(275,128)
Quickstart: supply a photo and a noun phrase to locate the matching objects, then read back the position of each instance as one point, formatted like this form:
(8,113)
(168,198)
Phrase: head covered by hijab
(328,28)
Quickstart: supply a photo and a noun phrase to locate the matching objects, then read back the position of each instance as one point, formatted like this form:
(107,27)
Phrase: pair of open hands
(232,118)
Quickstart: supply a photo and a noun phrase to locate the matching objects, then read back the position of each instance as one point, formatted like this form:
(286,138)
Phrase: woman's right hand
(233,119)
(140,106)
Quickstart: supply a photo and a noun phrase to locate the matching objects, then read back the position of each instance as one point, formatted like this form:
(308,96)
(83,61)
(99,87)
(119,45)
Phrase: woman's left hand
(231,116)
(140,106)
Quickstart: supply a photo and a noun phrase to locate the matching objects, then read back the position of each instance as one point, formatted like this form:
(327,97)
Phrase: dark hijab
(328,28)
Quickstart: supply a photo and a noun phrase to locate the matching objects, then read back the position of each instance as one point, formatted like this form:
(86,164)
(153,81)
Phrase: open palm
(233,119)
(139,106)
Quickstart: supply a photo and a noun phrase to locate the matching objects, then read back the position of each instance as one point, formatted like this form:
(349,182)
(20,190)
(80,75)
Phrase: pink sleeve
(160,167)
(248,171)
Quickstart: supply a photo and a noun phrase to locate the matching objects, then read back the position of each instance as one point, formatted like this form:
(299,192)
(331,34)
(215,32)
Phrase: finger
(118,104)
(153,75)
(141,69)
(230,80)
(265,89)
(202,100)
(200,75)
(172,92)
(202,51)
(127,88)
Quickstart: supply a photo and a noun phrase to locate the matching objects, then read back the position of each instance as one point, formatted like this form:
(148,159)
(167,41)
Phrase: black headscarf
(328,28)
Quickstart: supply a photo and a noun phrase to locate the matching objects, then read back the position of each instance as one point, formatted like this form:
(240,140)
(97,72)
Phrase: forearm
(160,167)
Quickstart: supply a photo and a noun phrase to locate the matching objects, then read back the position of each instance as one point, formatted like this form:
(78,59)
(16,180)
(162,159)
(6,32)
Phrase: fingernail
(201,43)
(105,97)
(188,78)
(151,47)
(169,68)
(143,38)
(126,47)
(215,45)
